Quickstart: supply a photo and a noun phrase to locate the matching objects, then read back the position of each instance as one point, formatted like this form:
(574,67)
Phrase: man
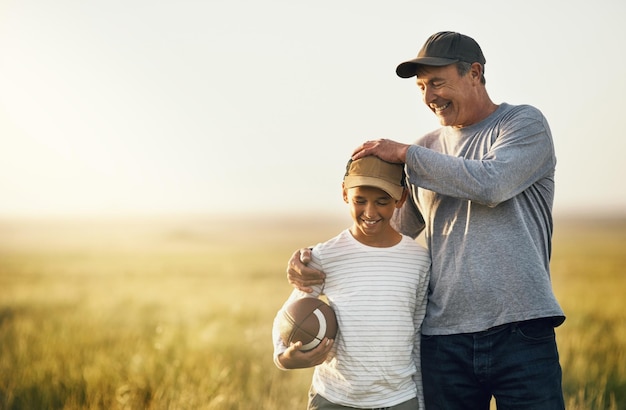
(482,189)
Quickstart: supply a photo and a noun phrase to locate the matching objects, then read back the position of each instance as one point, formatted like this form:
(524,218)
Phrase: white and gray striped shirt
(379,296)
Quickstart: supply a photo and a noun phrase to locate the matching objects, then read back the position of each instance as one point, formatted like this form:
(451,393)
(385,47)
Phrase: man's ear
(476,71)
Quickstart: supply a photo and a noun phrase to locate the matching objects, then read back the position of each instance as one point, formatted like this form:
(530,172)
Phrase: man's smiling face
(454,99)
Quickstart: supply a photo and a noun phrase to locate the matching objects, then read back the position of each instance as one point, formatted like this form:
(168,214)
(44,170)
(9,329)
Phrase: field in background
(176,313)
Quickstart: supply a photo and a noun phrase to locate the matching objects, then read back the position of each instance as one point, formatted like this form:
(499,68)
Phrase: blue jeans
(517,363)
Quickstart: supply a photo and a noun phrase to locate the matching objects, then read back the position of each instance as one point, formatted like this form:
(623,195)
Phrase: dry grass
(176,314)
(589,275)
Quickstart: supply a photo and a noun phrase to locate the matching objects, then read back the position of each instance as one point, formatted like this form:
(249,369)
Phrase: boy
(376,281)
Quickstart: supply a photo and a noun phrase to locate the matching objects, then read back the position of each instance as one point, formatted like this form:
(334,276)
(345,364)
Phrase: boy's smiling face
(371,210)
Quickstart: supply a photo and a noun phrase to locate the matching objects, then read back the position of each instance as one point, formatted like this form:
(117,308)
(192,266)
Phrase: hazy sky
(255,106)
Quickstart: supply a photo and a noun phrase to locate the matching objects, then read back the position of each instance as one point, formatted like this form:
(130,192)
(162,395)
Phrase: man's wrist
(404,153)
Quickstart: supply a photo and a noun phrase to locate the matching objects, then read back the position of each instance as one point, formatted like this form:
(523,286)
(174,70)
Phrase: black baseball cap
(443,48)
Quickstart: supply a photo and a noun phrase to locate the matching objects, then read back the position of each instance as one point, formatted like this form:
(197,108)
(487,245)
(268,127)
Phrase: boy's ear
(402,200)
(344,193)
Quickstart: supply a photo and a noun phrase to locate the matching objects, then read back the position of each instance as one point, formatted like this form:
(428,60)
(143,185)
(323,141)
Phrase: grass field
(176,313)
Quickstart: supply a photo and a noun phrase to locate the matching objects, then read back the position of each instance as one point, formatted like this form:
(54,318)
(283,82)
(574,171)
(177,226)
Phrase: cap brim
(409,68)
(394,191)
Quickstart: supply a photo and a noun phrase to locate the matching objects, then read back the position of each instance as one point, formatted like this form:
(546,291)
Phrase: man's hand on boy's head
(387,150)
(293,358)
(301,276)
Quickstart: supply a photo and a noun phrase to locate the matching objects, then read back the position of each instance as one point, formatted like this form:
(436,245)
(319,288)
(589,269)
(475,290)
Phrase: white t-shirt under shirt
(379,296)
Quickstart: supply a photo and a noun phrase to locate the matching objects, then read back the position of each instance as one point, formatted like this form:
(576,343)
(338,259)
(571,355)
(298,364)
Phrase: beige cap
(373,171)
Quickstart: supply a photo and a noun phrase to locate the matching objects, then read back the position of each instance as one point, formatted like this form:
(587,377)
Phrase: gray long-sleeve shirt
(484,194)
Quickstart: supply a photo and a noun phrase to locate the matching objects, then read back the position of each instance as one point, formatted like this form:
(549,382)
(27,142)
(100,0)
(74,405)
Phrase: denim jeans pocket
(536,330)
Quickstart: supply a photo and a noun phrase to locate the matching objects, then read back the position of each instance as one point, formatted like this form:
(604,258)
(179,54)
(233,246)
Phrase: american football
(308,320)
